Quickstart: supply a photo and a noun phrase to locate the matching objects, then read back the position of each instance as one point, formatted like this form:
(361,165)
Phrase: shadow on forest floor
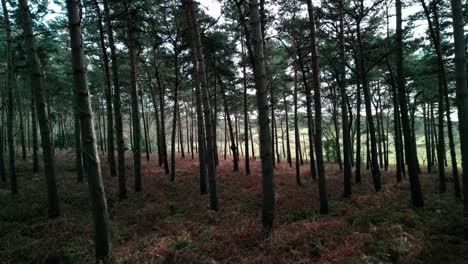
(170,222)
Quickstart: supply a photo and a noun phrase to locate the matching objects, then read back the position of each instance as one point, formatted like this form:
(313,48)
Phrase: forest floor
(170,222)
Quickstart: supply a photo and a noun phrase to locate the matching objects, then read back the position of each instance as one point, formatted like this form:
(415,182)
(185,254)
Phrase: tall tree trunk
(367,102)
(198,52)
(145,127)
(37,84)
(246,117)
(288,145)
(162,90)
(310,121)
(3,175)
(108,94)
(251,140)
(297,145)
(410,151)
(266,153)
(21,126)
(347,155)
(335,125)
(397,137)
(35,140)
(318,118)
(117,105)
(229,123)
(200,129)
(134,90)
(462,97)
(175,111)
(181,135)
(358,128)
(11,87)
(426,138)
(156,116)
(93,169)
(434,30)
(256,55)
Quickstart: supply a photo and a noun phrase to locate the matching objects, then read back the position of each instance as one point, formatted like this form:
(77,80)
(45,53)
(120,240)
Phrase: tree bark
(229,123)
(11,87)
(198,53)
(93,169)
(37,84)
(318,118)
(134,91)
(410,151)
(108,94)
(462,97)
(117,106)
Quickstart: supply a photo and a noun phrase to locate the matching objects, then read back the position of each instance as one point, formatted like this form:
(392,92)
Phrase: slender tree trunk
(443,92)
(426,138)
(21,126)
(145,127)
(198,53)
(3,174)
(416,194)
(35,140)
(367,101)
(95,184)
(318,118)
(256,55)
(37,84)
(337,129)
(175,111)
(11,87)
(108,94)
(251,140)
(288,145)
(181,135)
(297,144)
(117,105)
(134,90)
(462,97)
(347,155)
(358,129)
(200,129)
(229,123)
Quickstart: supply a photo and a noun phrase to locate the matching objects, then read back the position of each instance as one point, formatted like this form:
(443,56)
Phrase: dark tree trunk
(181,135)
(175,111)
(256,55)
(11,87)
(318,118)
(3,175)
(21,126)
(462,97)
(416,194)
(288,146)
(246,117)
(96,187)
(337,129)
(434,30)
(38,86)
(108,94)
(134,90)
(145,127)
(35,140)
(229,123)
(370,119)
(358,128)
(347,155)
(200,129)
(162,126)
(117,105)
(210,148)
